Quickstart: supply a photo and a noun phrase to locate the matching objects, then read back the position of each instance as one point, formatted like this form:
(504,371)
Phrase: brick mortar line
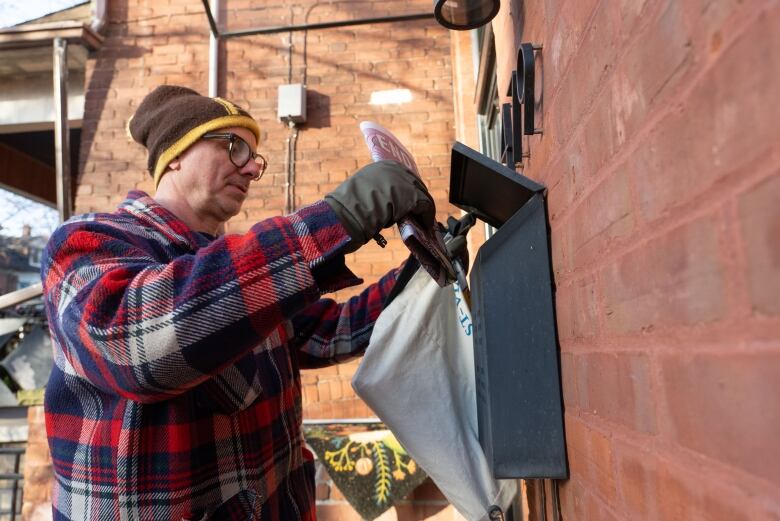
(662,442)
(584,486)
(556,19)
(733,247)
(650,230)
(593,490)
(645,21)
(737,246)
(665,346)
(681,94)
(761,167)
(591,19)
(761,328)
(672,454)
(320,61)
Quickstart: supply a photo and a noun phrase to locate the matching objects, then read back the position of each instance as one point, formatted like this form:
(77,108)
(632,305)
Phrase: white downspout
(98,15)
(61,127)
(214,54)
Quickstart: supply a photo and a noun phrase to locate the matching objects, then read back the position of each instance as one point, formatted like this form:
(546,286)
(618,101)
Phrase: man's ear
(175,164)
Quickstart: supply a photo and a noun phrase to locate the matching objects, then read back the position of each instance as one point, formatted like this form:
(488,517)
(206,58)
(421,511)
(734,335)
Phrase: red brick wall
(38,469)
(151,43)
(661,153)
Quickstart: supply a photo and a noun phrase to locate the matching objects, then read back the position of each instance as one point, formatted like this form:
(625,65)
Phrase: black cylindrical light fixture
(462,15)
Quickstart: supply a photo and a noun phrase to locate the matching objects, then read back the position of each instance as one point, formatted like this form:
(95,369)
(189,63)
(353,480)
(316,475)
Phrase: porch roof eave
(38,35)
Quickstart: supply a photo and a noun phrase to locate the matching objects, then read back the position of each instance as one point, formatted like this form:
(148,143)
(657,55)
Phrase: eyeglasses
(240,152)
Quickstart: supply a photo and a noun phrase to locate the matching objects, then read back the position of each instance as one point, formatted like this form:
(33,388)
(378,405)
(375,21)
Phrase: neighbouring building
(659,150)
(20,260)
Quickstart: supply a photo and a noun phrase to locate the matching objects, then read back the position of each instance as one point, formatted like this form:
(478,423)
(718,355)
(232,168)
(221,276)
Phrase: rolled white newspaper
(425,243)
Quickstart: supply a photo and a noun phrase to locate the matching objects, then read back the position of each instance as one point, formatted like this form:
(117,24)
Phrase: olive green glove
(377,196)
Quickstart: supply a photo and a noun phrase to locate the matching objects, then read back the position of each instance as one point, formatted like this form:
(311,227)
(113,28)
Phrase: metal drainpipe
(61,128)
(307,27)
(214,54)
(328,25)
(292,137)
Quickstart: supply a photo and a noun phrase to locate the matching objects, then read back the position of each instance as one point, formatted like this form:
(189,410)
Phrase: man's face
(214,187)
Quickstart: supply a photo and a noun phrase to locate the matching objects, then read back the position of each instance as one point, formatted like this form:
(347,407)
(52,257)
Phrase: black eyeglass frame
(231,138)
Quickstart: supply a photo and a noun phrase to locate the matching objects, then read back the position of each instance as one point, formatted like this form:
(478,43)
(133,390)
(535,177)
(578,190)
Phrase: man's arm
(327,332)
(148,330)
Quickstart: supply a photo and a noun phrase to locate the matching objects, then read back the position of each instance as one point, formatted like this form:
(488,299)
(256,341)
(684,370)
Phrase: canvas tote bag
(418,376)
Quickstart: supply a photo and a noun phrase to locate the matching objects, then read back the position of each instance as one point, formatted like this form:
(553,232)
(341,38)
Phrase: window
(490,128)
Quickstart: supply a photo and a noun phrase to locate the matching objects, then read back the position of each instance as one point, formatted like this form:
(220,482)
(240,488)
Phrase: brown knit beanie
(171,118)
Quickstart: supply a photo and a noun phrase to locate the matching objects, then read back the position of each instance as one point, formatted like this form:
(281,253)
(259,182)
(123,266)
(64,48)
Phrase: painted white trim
(37,126)
(32,197)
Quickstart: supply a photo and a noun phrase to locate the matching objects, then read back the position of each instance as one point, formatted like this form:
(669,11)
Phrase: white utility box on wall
(292,103)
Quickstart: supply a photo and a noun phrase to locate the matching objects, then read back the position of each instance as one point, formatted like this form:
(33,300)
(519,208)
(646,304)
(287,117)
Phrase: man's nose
(251,169)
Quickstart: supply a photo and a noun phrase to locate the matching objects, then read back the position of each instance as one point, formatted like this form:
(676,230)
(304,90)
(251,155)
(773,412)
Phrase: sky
(16,211)
(14,12)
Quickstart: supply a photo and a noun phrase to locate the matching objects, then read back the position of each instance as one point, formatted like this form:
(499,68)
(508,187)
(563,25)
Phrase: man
(176,392)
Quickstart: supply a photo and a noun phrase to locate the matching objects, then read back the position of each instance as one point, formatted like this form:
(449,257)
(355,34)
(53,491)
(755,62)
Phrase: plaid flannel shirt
(176,390)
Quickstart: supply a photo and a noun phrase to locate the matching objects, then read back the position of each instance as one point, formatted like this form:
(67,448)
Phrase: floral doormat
(368,465)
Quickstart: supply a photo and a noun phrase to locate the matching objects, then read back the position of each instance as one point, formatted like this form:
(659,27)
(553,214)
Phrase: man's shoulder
(117,222)
(131,222)
(137,214)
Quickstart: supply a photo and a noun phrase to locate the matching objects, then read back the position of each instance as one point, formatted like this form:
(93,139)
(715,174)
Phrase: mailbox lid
(491,191)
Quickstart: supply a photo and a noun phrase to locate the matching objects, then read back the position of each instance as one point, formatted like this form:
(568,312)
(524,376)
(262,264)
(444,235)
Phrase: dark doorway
(27,162)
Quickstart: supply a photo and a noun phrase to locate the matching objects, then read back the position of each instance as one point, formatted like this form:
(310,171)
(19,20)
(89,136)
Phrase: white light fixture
(462,15)
(387,97)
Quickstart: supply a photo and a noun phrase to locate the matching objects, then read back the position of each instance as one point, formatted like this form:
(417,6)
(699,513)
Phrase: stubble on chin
(232,206)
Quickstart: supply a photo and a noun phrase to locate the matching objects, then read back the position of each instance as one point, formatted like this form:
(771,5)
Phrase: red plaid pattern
(176,390)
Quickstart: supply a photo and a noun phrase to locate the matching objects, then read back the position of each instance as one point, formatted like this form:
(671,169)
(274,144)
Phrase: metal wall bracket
(510,140)
(522,108)
(515,137)
(525,89)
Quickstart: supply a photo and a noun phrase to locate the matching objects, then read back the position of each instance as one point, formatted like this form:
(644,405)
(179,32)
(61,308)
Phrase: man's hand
(377,196)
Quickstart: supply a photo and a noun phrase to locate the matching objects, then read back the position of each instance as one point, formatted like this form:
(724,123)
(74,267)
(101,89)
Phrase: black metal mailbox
(519,406)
